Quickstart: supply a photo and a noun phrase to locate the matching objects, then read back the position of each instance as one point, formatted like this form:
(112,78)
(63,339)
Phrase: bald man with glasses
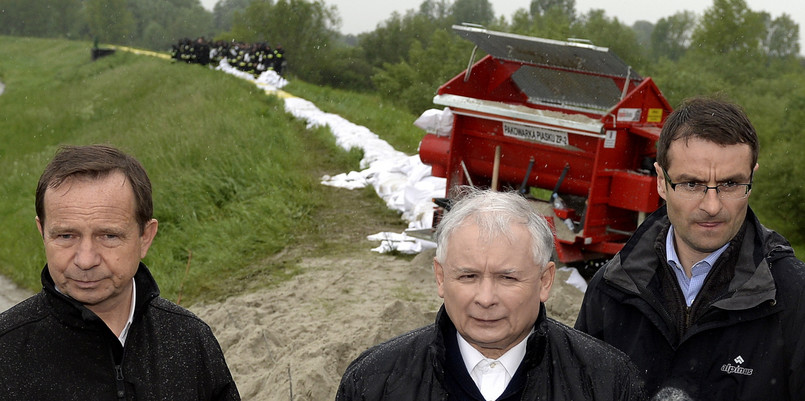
(703,298)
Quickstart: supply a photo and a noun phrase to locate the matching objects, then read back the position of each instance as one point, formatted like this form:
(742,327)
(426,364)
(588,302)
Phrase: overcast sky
(358,16)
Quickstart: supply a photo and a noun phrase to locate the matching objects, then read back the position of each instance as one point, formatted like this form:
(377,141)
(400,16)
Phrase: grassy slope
(235,178)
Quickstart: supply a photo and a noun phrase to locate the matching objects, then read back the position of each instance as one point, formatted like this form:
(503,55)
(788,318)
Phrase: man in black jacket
(98,330)
(491,339)
(703,298)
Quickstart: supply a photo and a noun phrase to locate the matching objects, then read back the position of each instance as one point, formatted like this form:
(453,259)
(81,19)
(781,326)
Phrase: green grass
(236,179)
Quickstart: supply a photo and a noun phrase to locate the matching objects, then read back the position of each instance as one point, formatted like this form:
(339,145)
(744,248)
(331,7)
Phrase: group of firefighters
(254,58)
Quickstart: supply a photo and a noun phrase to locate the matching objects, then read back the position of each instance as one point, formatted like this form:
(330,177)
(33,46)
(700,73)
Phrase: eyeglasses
(696,190)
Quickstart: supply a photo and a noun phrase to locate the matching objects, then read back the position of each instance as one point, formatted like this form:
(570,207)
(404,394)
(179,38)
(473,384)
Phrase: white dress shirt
(125,333)
(491,376)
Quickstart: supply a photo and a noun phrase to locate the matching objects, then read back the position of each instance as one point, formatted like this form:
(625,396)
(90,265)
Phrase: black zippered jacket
(743,338)
(560,364)
(54,348)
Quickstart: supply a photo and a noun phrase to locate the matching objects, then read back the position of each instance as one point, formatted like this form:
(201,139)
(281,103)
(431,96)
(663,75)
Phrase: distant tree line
(749,56)
(408,55)
(152,24)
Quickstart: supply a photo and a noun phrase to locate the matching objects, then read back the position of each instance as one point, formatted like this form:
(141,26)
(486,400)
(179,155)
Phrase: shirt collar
(510,360)
(673,258)
(125,333)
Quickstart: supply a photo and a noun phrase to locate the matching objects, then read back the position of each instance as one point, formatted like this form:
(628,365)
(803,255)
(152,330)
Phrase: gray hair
(495,213)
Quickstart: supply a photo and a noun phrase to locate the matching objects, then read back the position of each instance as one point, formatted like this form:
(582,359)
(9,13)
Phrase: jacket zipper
(121,387)
(687,319)
(119,378)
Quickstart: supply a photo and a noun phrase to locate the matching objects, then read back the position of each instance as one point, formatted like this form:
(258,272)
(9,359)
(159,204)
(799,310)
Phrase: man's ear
(438,271)
(546,281)
(149,232)
(661,184)
(39,227)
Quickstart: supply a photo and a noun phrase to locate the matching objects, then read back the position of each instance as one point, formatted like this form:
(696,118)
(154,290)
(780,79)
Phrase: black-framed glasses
(697,190)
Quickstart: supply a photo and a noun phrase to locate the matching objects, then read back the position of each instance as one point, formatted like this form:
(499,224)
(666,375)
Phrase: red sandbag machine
(568,124)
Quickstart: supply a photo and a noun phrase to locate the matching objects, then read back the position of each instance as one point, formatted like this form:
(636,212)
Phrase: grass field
(236,179)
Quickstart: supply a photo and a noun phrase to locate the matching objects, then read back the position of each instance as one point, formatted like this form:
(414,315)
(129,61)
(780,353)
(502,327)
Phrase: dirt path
(10,294)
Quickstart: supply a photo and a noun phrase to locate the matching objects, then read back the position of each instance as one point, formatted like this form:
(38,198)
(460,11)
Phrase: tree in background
(727,42)
(473,11)
(780,192)
(547,7)
(303,28)
(391,41)
(671,36)
(415,53)
(224,12)
(413,83)
(643,30)
(782,36)
(42,18)
(436,10)
(550,19)
(161,23)
(729,26)
(152,24)
(66,19)
(609,32)
(110,21)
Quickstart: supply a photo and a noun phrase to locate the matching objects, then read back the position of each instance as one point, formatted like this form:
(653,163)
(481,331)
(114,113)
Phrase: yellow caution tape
(142,52)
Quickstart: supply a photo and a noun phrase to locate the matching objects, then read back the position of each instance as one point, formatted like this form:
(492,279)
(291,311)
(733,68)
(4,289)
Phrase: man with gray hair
(492,339)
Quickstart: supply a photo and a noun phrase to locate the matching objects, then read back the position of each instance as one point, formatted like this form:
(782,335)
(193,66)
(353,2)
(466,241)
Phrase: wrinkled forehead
(691,153)
(112,188)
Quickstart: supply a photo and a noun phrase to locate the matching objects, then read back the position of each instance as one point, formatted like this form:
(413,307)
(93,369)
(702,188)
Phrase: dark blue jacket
(743,338)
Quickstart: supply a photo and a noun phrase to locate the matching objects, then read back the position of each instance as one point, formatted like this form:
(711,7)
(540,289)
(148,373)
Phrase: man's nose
(487,293)
(711,203)
(87,256)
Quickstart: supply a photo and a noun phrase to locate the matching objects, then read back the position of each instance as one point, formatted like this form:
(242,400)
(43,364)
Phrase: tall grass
(235,178)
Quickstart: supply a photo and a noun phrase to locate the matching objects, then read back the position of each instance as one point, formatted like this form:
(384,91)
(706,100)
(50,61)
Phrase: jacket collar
(535,345)
(752,283)
(75,313)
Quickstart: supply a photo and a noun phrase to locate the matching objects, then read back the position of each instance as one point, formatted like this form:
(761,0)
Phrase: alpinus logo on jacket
(740,370)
